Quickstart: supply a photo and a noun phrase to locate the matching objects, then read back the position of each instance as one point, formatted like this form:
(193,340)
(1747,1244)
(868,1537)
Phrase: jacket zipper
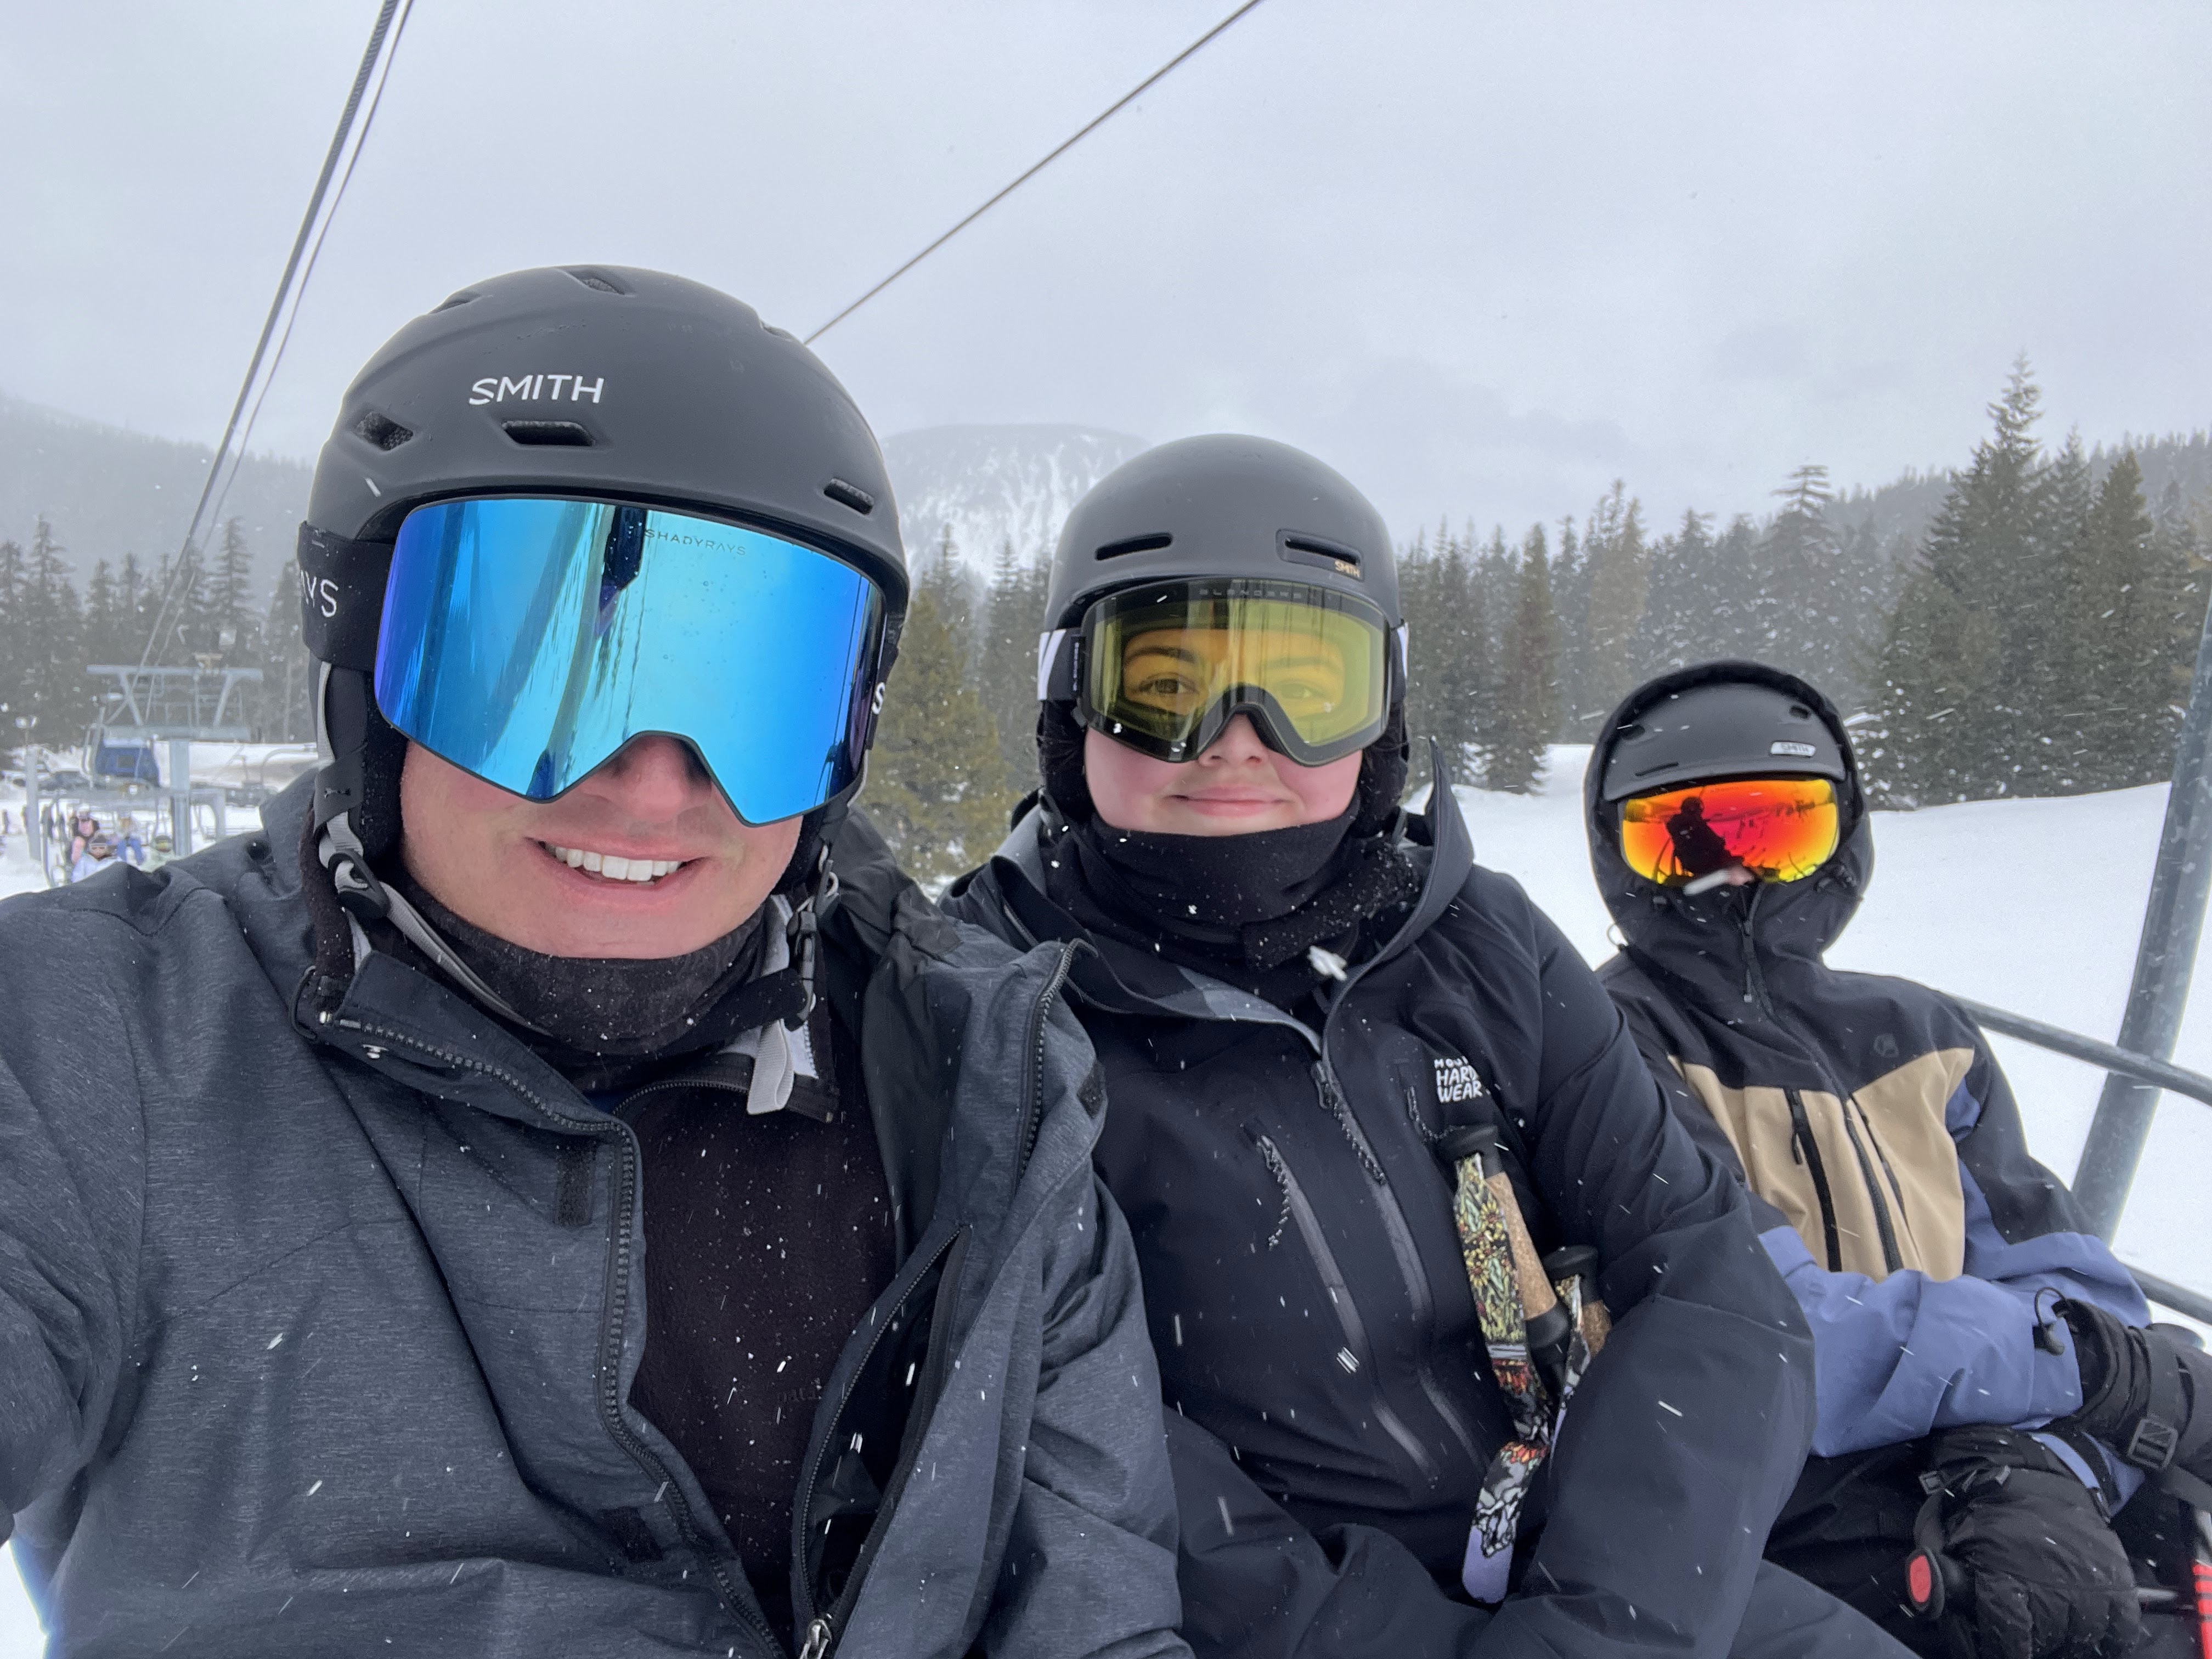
(1349,1323)
(1408,1256)
(822,1627)
(1801,1140)
(1882,1225)
(1756,991)
(1033,1080)
(617,1299)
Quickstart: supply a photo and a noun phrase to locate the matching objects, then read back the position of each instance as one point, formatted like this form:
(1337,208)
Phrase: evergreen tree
(2126,653)
(1569,572)
(1014,616)
(2179,552)
(288,672)
(1679,594)
(1620,591)
(1528,696)
(14,696)
(1450,680)
(2053,652)
(49,647)
(1805,622)
(233,620)
(1954,685)
(938,787)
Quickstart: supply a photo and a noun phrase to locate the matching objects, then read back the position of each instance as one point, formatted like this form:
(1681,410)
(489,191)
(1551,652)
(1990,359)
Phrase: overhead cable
(1059,150)
(368,82)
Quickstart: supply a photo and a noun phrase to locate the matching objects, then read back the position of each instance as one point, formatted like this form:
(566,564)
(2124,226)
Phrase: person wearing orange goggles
(1982,1368)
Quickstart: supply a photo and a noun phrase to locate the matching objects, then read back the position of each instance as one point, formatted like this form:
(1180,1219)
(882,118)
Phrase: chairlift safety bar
(2163,1074)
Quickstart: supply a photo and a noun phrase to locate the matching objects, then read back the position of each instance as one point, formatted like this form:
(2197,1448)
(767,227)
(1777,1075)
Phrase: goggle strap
(1056,658)
(341,597)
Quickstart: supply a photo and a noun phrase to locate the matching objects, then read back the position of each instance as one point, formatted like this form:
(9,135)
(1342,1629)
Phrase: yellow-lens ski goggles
(1164,667)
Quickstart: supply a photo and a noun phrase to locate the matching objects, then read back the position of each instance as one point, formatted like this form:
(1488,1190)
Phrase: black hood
(1698,938)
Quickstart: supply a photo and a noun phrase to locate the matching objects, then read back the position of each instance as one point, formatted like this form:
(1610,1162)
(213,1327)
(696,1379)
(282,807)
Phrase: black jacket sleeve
(72,1169)
(1257,1584)
(1690,1428)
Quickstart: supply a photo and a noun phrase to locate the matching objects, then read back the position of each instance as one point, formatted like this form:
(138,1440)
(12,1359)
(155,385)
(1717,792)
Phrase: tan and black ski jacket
(1877,1135)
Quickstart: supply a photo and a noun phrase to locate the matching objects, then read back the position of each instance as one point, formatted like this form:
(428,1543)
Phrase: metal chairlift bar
(2163,1074)
(2120,1062)
(2167,1294)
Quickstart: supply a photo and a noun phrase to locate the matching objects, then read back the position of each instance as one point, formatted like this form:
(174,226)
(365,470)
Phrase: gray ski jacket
(320,1298)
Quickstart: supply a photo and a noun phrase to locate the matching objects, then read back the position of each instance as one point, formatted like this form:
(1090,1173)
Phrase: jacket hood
(1695,938)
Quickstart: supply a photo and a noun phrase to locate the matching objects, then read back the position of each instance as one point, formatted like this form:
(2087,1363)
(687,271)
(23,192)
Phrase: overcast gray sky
(1483,257)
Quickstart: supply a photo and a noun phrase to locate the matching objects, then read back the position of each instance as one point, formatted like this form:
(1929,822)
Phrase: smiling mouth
(608,866)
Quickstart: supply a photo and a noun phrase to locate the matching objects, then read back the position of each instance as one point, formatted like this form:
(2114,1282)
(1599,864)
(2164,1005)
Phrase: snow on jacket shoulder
(320,1300)
(1882,1144)
(1333,1411)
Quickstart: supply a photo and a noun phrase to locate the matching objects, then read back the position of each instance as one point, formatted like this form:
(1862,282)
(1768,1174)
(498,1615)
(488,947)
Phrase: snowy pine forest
(2021,624)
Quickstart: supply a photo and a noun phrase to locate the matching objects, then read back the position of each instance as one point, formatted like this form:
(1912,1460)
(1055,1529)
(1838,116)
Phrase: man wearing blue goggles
(558,1187)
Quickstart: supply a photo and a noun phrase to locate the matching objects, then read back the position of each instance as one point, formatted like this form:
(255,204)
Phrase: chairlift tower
(180,707)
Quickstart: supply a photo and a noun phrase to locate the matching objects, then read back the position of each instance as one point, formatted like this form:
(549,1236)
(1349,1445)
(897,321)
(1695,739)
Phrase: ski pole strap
(1535,1332)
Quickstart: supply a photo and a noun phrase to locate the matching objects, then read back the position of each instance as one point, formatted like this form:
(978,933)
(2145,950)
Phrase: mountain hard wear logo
(1457,1080)
(531,388)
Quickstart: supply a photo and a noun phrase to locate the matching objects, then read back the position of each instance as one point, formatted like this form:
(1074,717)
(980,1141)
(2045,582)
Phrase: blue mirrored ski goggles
(527,641)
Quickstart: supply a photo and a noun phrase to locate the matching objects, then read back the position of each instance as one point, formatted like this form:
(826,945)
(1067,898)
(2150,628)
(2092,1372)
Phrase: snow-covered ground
(2033,906)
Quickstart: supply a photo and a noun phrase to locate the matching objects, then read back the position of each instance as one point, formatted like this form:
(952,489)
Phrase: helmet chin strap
(365,898)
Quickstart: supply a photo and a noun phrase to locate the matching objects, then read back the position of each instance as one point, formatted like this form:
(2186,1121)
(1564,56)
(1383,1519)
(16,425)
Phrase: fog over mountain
(108,491)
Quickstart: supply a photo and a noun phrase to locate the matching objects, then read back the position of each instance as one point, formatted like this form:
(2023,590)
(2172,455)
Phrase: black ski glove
(2141,1390)
(2015,1555)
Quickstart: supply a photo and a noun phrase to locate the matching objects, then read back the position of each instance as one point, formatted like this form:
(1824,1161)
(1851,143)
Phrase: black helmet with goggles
(1220,576)
(572,506)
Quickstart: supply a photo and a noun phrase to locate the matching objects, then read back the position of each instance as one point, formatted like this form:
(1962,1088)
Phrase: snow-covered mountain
(996,484)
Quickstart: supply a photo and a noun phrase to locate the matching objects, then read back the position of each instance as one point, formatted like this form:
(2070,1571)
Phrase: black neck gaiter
(1208,889)
(595,1015)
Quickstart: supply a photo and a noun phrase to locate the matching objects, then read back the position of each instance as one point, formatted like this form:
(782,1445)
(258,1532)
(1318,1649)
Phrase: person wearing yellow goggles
(1384,1144)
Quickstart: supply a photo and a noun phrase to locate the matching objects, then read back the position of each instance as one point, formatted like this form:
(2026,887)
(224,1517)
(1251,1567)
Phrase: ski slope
(2030,905)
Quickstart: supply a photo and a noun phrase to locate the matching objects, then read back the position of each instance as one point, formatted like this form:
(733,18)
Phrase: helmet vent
(850,496)
(554,434)
(599,280)
(454,300)
(382,430)
(1136,544)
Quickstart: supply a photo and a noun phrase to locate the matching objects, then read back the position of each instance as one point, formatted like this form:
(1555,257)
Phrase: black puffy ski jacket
(1333,1411)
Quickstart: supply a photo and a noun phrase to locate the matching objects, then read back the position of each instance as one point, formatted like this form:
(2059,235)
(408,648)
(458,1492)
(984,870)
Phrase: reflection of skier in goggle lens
(1722,784)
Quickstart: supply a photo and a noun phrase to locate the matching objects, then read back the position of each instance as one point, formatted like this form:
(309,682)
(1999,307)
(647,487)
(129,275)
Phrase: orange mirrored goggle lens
(1779,828)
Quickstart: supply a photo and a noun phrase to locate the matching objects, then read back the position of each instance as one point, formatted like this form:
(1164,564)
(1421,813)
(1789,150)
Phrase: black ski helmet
(1722,719)
(1219,506)
(599,382)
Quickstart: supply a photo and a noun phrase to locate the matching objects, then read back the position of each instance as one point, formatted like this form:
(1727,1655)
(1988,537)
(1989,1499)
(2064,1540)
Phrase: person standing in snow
(1322,1025)
(561,1190)
(1989,1398)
